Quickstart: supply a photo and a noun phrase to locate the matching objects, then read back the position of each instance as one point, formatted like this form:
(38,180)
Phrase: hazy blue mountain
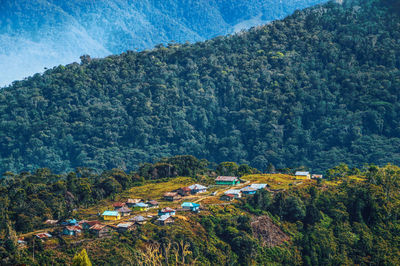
(45,33)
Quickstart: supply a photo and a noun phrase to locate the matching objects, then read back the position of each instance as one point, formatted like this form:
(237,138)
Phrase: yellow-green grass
(350,178)
(276,181)
(155,191)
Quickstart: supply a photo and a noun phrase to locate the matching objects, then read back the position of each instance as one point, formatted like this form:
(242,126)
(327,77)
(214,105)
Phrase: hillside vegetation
(350,219)
(315,89)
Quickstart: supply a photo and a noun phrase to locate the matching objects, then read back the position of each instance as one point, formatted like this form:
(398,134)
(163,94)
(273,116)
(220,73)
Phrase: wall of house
(111,218)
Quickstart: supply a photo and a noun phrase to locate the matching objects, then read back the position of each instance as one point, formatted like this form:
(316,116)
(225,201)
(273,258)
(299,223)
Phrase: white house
(236,192)
(303,175)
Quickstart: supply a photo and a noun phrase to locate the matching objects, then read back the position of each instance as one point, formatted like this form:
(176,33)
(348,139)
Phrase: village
(129,214)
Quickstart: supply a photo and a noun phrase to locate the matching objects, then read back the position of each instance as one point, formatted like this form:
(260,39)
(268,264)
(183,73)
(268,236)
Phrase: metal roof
(190,204)
(138,218)
(110,213)
(125,225)
(197,187)
(258,186)
(226,178)
(233,191)
(141,204)
(302,173)
(163,217)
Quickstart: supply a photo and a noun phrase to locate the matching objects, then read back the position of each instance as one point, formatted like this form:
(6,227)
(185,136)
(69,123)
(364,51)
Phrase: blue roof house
(194,207)
(70,222)
(249,190)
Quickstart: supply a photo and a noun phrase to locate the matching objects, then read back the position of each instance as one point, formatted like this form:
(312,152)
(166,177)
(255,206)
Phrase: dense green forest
(315,89)
(350,218)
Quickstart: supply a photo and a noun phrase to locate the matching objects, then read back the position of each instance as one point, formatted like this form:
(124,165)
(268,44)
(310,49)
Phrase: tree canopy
(317,88)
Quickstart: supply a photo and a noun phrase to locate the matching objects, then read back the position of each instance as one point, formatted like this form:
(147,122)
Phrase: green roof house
(227,180)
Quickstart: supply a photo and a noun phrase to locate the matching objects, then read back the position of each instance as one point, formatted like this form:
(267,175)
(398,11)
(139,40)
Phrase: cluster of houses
(122,209)
(232,194)
(103,230)
(72,227)
(184,191)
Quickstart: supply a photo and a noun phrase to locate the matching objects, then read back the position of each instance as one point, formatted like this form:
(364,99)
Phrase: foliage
(183,165)
(81,259)
(317,88)
(351,223)
(355,220)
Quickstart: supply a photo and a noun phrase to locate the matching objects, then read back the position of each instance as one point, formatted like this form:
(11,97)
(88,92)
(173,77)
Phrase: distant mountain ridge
(46,33)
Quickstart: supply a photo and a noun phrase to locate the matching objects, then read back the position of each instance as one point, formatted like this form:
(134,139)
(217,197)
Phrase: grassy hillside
(315,89)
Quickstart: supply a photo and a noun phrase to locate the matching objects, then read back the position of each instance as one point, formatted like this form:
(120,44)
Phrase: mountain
(315,89)
(46,33)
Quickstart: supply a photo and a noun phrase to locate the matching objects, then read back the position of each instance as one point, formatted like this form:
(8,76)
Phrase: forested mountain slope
(317,88)
(45,33)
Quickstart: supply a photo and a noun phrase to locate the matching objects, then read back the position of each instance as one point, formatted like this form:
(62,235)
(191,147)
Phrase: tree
(228,169)
(312,215)
(81,259)
(338,172)
(294,209)
(245,169)
(270,168)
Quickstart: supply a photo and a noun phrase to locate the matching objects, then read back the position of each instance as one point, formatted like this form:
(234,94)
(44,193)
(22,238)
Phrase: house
(101,230)
(315,176)
(171,196)
(87,224)
(152,204)
(258,186)
(184,191)
(131,202)
(70,222)
(196,188)
(51,222)
(72,230)
(164,220)
(227,197)
(139,220)
(227,180)
(304,175)
(166,211)
(141,206)
(124,211)
(248,190)
(126,227)
(111,215)
(118,205)
(43,235)
(236,192)
(194,207)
